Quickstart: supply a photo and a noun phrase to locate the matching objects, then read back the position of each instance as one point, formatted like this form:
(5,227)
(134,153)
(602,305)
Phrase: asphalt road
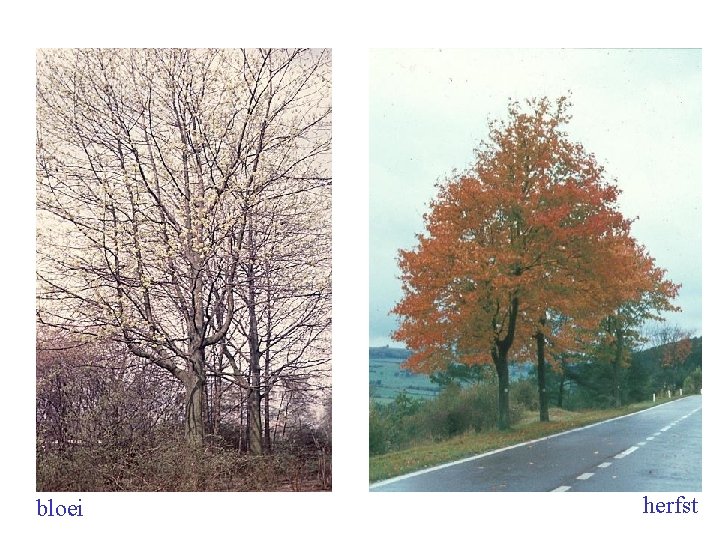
(658,449)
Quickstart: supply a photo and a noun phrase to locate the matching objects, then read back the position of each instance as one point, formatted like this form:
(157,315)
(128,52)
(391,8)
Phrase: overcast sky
(638,111)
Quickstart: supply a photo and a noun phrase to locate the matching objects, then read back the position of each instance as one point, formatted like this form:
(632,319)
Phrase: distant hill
(389,353)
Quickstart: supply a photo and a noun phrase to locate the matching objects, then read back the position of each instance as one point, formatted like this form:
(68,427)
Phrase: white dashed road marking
(629,451)
(626,452)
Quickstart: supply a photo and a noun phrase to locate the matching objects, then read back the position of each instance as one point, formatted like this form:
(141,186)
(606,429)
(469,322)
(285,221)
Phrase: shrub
(454,411)
(485,402)
(525,394)
(378,430)
(693,382)
(449,414)
(457,410)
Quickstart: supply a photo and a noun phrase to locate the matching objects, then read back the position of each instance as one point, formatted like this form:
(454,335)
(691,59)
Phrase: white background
(350,29)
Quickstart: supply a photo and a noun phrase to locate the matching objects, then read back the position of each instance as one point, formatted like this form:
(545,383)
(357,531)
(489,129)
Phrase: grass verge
(428,454)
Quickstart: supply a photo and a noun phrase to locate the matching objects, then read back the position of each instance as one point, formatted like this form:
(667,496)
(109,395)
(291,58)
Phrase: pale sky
(638,111)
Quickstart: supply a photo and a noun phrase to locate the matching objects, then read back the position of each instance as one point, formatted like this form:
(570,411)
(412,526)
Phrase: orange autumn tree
(652,295)
(615,287)
(674,346)
(580,241)
(519,235)
(599,270)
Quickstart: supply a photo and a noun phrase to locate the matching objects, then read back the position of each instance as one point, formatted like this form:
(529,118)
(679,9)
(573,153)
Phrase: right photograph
(535,310)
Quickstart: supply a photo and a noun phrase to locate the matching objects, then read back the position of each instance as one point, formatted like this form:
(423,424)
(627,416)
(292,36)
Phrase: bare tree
(283,333)
(150,167)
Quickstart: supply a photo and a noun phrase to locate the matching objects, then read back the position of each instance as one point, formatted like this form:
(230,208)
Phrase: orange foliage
(534,227)
(677,353)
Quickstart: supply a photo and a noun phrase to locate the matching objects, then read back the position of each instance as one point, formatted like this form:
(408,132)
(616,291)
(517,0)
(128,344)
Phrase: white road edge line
(518,445)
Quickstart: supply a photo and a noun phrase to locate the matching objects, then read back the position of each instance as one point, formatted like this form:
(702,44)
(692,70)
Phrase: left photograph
(183,233)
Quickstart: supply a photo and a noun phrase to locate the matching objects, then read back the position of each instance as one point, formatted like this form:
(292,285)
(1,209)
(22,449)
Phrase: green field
(388,379)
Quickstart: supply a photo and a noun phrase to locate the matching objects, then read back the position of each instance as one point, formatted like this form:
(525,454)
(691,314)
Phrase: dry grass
(170,466)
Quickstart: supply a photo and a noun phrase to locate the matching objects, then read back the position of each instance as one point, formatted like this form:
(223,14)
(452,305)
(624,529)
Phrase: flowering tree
(150,164)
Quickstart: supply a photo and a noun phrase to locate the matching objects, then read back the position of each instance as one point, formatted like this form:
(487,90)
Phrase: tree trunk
(499,355)
(255,440)
(194,421)
(217,389)
(255,436)
(245,443)
(617,366)
(561,389)
(267,374)
(254,421)
(503,373)
(195,403)
(266,442)
(542,393)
